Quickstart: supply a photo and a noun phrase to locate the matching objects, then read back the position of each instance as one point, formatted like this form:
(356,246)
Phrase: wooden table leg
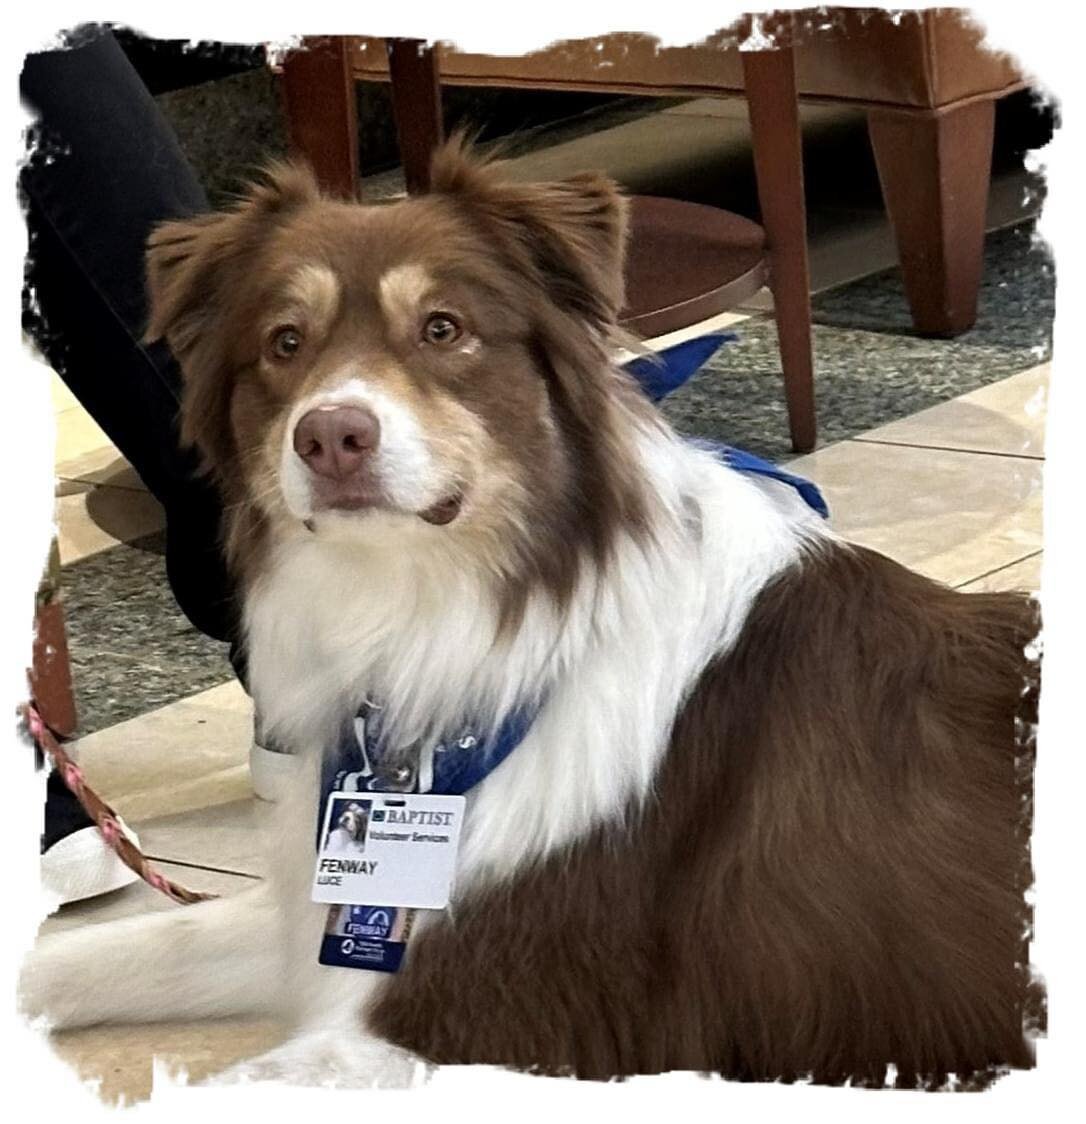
(935,170)
(50,677)
(770,81)
(321,112)
(51,672)
(416,105)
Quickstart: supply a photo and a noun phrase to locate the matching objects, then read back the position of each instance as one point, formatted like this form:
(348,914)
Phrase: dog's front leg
(210,960)
(219,958)
(330,1043)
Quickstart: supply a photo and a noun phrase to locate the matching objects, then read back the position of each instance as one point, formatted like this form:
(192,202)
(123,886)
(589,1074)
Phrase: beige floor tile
(635,152)
(93,518)
(1005,417)
(703,327)
(953,516)
(121,1057)
(230,837)
(1024,576)
(190,754)
(862,243)
(62,487)
(84,452)
(114,472)
(735,107)
(81,444)
(848,245)
(119,1060)
(698,142)
(859,244)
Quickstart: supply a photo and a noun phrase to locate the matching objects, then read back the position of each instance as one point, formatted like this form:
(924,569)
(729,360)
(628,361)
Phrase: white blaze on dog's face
(434,363)
(377,424)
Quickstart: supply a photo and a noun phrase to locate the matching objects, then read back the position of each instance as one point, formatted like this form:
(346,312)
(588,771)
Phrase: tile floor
(100,499)
(700,150)
(954,491)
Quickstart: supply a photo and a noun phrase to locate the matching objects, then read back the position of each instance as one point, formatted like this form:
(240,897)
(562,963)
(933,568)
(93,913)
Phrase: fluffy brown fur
(829,879)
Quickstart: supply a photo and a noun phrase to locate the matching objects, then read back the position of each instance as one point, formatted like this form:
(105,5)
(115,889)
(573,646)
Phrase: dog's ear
(570,235)
(185,257)
(189,267)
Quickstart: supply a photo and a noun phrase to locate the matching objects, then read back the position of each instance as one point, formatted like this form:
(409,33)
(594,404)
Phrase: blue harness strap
(366,763)
(666,370)
(742,461)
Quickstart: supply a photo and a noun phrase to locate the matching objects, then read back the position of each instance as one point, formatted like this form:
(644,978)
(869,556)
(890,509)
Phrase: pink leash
(103,815)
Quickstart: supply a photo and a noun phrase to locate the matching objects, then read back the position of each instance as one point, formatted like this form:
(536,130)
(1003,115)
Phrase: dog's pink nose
(335,440)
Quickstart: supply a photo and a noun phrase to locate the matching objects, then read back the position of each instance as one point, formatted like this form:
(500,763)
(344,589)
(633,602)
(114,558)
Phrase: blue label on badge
(371,921)
(365,936)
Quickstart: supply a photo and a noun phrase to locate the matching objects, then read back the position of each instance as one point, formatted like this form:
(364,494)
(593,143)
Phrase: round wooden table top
(686,262)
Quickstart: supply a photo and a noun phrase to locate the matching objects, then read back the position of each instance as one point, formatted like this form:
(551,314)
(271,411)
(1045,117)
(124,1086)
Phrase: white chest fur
(332,623)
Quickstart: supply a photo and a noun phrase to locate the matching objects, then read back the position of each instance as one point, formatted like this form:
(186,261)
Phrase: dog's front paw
(342,1060)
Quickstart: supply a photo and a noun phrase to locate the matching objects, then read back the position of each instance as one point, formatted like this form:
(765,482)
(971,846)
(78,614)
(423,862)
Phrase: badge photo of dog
(347,834)
(771,817)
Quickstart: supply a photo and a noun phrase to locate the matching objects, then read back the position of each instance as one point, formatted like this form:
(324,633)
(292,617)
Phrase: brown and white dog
(772,818)
(348,837)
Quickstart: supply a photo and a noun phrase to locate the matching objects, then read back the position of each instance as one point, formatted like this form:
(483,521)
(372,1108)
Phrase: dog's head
(353,821)
(431,367)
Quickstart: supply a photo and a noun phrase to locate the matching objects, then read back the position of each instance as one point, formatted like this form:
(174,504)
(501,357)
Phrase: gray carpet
(870,367)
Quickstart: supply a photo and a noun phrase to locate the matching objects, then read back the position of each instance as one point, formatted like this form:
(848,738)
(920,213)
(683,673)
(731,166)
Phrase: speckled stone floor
(870,367)
(132,649)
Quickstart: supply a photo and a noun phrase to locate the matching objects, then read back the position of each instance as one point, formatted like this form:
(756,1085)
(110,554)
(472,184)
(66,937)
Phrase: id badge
(365,936)
(388,849)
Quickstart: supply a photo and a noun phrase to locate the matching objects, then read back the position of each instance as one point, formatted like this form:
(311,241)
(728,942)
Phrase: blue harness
(366,763)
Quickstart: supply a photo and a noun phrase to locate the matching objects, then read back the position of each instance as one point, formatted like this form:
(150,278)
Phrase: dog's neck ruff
(365,761)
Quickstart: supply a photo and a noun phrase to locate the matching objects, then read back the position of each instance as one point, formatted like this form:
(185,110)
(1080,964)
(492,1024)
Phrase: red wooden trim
(778,163)
(322,115)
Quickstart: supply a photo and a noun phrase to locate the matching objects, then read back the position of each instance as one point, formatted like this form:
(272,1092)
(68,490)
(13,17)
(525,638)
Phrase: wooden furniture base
(935,168)
(317,92)
(686,262)
(770,78)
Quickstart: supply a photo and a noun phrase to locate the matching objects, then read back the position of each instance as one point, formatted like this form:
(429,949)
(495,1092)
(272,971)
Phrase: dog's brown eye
(286,342)
(441,329)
